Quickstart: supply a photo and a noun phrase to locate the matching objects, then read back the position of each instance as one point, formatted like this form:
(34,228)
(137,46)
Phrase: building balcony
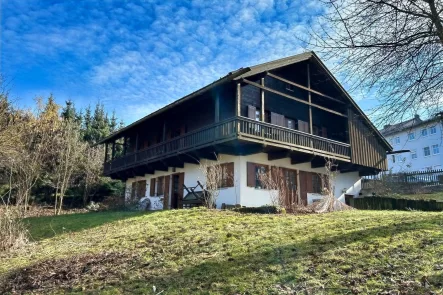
(236,129)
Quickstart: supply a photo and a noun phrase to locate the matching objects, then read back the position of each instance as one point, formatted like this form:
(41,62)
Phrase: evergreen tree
(99,124)
(87,125)
(68,112)
(113,123)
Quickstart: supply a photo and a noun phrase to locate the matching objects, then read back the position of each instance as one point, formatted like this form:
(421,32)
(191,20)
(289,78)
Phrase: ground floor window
(160,186)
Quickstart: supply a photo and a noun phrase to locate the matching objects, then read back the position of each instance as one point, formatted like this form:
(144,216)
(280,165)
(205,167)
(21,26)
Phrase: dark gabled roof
(407,125)
(254,70)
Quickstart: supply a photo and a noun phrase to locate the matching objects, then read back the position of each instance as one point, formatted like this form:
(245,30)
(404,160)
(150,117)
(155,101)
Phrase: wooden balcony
(240,128)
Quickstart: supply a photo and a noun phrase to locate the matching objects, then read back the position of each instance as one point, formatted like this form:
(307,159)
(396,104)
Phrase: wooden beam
(293,98)
(217,108)
(299,159)
(160,166)
(113,150)
(310,101)
(318,162)
(262,93)
(278,155)
(304,88)
(238,100)
(106,152)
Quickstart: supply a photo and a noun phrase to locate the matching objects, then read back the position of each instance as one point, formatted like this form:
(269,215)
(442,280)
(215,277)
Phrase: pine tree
(68,112)
(113,123)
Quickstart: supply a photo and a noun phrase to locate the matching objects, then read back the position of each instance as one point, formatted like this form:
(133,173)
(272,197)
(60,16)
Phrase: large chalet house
(289,113)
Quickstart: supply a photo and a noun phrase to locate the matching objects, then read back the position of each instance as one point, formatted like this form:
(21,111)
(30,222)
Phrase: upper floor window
(429,168)
(435,149)
(411,136)
(400,158)
(257,115)
(424,132)
(433,129)
(291,124)
(413,154)
(397,140)
(427,151)
(290,87)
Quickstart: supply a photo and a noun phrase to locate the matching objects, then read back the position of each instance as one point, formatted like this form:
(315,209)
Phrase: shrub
(13,233)
(259,210)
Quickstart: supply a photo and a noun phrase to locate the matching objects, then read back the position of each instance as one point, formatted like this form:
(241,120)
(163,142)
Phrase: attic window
(290,87)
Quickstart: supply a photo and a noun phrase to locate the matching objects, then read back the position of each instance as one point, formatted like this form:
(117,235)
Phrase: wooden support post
(310,102)
(113,150)
(217,108)
(238,101)
(106,152)
(124,144)
(262,92)
(238,106)
(136,146)
(164,131)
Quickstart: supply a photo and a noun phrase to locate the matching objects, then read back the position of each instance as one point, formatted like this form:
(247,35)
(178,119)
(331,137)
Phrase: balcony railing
(293,138)
(236,127)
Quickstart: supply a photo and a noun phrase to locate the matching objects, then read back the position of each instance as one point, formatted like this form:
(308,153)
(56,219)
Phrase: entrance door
(177,191)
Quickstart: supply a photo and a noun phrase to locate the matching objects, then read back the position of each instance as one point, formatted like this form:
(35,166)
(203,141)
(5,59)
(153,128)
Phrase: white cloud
(140,56)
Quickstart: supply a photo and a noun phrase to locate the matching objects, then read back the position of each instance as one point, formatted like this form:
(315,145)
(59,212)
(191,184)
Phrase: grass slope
(212,252)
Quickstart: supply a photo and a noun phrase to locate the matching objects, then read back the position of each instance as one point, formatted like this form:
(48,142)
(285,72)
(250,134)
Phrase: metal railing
(226,130)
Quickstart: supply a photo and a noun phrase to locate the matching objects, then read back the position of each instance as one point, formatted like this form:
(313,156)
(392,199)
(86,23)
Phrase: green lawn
(212,252)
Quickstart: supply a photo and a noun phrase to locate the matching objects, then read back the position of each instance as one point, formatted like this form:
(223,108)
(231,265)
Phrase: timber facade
(292,109)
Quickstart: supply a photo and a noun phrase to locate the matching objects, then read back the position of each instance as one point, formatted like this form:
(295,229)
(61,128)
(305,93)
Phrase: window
(291,124)
(400,158)
(290,87)
(393,158)
(413,154)
(435,149)
(424,132)
(257,115)
(160,186)
(227,175)
(411,136)
(433,130)
(427,151)
(253,175)
(397,140)
(316,183)
(259,169)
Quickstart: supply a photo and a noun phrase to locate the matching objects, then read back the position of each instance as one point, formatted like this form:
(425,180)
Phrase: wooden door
(166,193)
(177,190)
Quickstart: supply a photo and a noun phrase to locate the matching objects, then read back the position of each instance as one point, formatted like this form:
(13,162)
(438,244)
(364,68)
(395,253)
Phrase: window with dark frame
(259,169)
(316,183)
(160,186)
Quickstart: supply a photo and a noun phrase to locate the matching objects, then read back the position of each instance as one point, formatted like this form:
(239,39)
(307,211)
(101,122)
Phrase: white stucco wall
(242,194)
(404,161)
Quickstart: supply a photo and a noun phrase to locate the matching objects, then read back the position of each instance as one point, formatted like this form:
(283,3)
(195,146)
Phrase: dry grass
(218,252)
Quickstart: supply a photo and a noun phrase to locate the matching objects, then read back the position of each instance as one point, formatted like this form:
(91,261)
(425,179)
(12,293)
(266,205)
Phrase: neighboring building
(289,113)
(423,138)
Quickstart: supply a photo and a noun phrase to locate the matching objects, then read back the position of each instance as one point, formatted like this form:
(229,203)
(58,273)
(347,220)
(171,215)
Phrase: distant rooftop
(409,124)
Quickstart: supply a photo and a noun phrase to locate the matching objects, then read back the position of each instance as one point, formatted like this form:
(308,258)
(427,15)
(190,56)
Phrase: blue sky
(136,56)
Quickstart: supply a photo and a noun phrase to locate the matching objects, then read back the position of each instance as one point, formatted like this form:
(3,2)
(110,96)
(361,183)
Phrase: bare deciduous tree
(91,169)
(329,203)
(280,191)
(390,48)
(214,175)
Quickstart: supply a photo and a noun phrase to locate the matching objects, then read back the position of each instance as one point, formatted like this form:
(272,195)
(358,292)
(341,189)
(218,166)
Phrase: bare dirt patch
(68,273)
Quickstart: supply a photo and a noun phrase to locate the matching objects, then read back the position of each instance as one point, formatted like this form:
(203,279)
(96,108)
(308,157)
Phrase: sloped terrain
(218,252)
